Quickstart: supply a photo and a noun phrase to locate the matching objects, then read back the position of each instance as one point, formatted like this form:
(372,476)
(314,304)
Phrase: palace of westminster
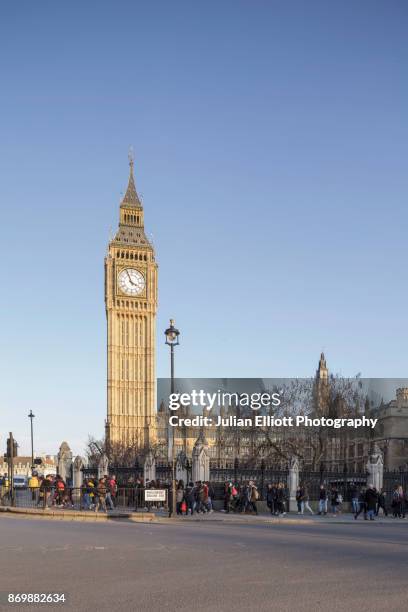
(133,420)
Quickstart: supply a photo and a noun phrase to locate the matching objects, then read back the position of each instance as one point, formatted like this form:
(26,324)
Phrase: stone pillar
(201,459)
(77,479)
(149,472)
(293,483)
(65,462)
(103,466)
(181,472)
(375,468)
(77,474)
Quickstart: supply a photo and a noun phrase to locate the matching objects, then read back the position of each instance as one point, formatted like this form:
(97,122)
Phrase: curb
(236,521)
(61,515)
(147,517)
(266,521)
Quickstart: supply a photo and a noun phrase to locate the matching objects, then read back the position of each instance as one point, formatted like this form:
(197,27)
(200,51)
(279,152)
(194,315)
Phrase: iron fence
(126,499)
(261,476)
(392,479)
(124,475)
(345,482)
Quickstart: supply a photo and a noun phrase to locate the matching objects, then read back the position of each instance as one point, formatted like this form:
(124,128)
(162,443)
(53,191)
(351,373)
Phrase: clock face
(131,281)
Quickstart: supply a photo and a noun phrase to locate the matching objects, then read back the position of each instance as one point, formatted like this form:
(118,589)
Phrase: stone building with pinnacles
(22,466)
(392,431)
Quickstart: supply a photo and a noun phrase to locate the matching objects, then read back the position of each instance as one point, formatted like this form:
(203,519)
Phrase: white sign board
(155,494)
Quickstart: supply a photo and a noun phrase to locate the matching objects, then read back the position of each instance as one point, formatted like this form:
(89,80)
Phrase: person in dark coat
(371,498)
(334,500)
(362,504)
(270,501)
(381,503)
(322,500)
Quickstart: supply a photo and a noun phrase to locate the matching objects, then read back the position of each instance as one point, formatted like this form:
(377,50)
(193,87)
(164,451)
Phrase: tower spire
(322,372)
(131,198)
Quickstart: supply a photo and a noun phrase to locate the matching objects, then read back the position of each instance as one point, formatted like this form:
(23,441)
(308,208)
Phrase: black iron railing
(125,499)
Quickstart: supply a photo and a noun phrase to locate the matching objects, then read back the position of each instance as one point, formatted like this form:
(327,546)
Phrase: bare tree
(118,453)
(333,397)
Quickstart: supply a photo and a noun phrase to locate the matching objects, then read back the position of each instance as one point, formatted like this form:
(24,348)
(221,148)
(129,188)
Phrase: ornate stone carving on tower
(131,304)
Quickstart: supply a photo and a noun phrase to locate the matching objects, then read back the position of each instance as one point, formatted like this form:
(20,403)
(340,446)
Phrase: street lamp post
(172,340)
(31,417)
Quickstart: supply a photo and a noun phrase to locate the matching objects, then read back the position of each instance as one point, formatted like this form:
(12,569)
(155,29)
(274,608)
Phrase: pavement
(290,518)
(69,514)
(162,516)
(207,564)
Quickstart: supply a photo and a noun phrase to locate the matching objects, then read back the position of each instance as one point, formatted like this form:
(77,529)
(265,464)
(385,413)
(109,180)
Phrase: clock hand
(127,272)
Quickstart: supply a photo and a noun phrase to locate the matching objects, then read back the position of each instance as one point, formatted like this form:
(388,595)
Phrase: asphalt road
(212,567)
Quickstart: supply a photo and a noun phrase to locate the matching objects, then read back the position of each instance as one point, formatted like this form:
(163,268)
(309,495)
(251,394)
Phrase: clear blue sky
(271,152)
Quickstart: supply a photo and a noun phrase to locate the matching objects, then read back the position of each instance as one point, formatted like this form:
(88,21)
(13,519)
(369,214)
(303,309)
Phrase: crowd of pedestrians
(102,494)
(95,494)
(369,502)
(196,498)
(241,497)
(99,494)
(53,492)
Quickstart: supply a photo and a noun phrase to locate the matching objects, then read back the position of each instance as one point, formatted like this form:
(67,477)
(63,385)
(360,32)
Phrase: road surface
(206,566)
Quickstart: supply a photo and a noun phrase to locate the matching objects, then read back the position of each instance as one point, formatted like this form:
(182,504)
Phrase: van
(20,482)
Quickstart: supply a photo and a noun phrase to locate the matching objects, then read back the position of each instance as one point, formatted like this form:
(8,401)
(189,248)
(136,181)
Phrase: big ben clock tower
(131,304)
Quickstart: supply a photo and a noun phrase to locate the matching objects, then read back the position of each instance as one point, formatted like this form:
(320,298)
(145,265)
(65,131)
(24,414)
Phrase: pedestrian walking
(335,500)
(45,491)
(322,500)
(33,485)
(281,499)
(398,502)
(354,493)
(100,503)
(371,499)
(381,503)
(270,498)
(85,491)
(306,500)
(179,497)
(112,490)
(362,504)
(59,491)
(190,498)
(300,499)
(253,496)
